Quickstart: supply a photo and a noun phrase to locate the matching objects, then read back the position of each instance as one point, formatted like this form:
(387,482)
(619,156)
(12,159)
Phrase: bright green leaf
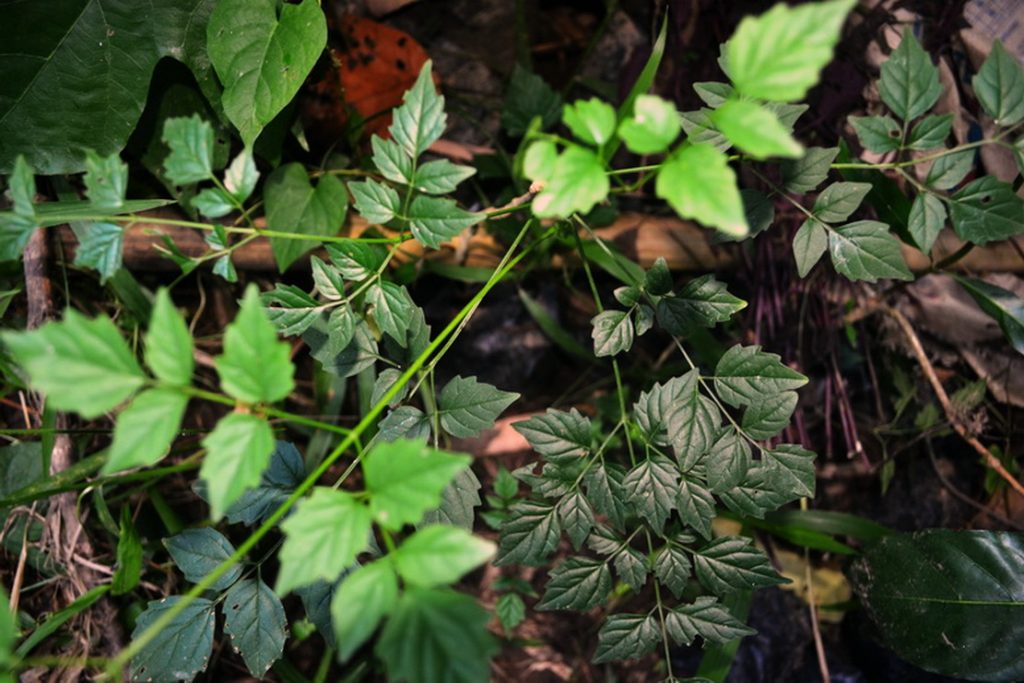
(573,183)
(146,429)
(255,366)
(440,176)
(190,141)
(392,309)
(467,406)
(755,130)
(237,452)
(241,175)
(405,479)
(653,126)
(100,247)
(106,179)
(364,597)
(591,121)
(439,555)
(295,205)
(434,220)
(949,169)
(697,182)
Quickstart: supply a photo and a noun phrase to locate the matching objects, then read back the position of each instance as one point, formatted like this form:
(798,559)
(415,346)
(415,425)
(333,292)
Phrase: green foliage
(237,452)
(255,366)
(697,182)
(439,555)
(467,406)
(999,86)
(197,552)
(365,597)
(406,478)
(182,648)
(255,620)
(145,429)
(910,82)
(295,205)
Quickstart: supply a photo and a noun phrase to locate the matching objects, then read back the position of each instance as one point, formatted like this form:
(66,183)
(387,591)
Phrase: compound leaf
(237,451)
(197,552)
(467,406)
(255,366)
(577,583)
(405,479)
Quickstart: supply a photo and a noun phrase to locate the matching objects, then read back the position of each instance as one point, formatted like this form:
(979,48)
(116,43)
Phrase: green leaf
(440,176)
(653,126)
(657,281)
(529,535)
(631,566)
(405,422)
(651,488)
(375,201)
(866,250)
(146,429)
(879,134)
(392,161)
(237,452)
(949,169)
(591,121)
(190,141)
(224,268)
(627,636)
(778,55)
(577,517)
(612,333)
(910,82)
(100,247)
(295,205)
(948,601)
(322,538)
(999,87)
(80,364)
(182,648)
(21,464)
(420,121)
(292,312)
(254,618)
(343,346)
(930,132)
(241,176)
(606,493)
(559,436)
(765,419)
(728,461)
(316,601)
(255,366)
(809,171)
(106,179)
(986,210)
(197,552)
(281,477)
(672,569)
(731,563)
(696,506)
(839,200)
(703,302)
(528,95)
(573,182)
(714,94)
(577,583)
(327,279)
(392,308)
(102,56)
(14,233)
(755,130)
(467,406)
(212,202)
(129,557)
(706,618)
(692,420)
(1003,306)
(791,469)
(809,243)
(434,220)
(405,479)
(656,407)
(439,555)
(746,374)
(436,636)
(510,611)
(757,494)
(262,53)
(697,182)
(700,129)
(927,218)
(365,597)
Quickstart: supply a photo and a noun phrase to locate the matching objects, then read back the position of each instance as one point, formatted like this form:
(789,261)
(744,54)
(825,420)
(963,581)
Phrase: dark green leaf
(672,569)
(344,346)
(392,308)
(365,596)
(254,619)
(999,86)
(510,611)
(440,176)
(467,406)
(657,281)
(577,583)
(457,502)
(434,220)
(627,636)
(706,618)
(406,422)
(255,366)
(241,176)
(237,452)
(765,419)
(181,649)
(529,534)
(877,133)
(129,556)
(631,566)
(757,494)
(746,374)
(949,169)
(282,476)
(696,506)
(1003,306)
(606,493)
(197,552)
(732,563)
(557,435)
(714,94)
(703,302)
(290,309)
(839,200)
(577,517)
(927,218)
(809,171)
(651,487)
(693,423)
(791,469)
(866,250)
(528,95)
(612,333)
(700,129)
(406,478)
(930,132)
(728,461)
(910,82)
(986,210)
(21,465)
(375,201)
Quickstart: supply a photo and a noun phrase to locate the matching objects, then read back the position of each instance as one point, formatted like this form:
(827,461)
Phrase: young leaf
(168,343)
(591,121)
(375,201)
(927,218)
(986,210)
(696,506)
(866,250)
(197,552)
(436,635)
(651,487)
(705,618)
(181,649)
(255,366)
(577,583)
(467,407)
(949,169)
(930,132)
(627,636)
(254,619)
(295,205)
(106,179)
(237,452)
(529,535)
(577,517)
(100,247)
(879,134)
(999,87)
(528,95)
(653,126)
(438,555)
(405,479)
(672,568)
(190,141)
(420,121)
(728,461)
(791,469)
(839,200)
(612,333)
(262,53)
(809,243)
(809,171)
(213,202)
(365,596)
(559,436)
(392,308)
(697,182)
(292,311)
(778,55)
(765,419)
(746,374)
(573,182)
(910,82)
(703,302)
(146,429)
(80,364)
(755,130)
(322,538)
(434,220)
(731,563)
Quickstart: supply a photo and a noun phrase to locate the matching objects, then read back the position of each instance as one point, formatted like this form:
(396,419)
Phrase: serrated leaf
(405,479)
(778,55)
(999,87)
(577,583)
(949,169)
(529,535)
(672,569)
(392,308)
(439,555)
(696,506)
(405,422)
(237,452)
(510,611)
(281,477)
(434,220)
(927,218)
(755,130)
(746,374)
(241,175)
(440,176)
(168,342)
(703,302)
(612,333)
(197,552)
(80,364)
(420,121)
(791,469)
(706,618)
(627,636)
(879,134)
(100,247)
(606,493)
(866,250)
(697,182)
(106,179)
(254,619)
(930,132)
(467,406)
(457,502)
(591,121)
(343,345)
(757,494)
(255,366)
(577,517)
(839,200)
(327,279)
(262,53)
(323,536)
(693,424)
(364,597)
(181,649)
(528,95)
(700,129)
(290,309)
(375,201)
(631,567)
(146,429)
(653,126)
(558,435)
(651,487)
(295,205)
(986,210)
(728,461)
(732,563)
(212,202)
(910,82)
(809,171)
(809,243)
(574,181)
(190,141)
(765,419)
(385,380)
(391,160)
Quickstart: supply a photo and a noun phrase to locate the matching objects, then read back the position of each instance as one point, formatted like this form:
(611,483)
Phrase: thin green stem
(661,613)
